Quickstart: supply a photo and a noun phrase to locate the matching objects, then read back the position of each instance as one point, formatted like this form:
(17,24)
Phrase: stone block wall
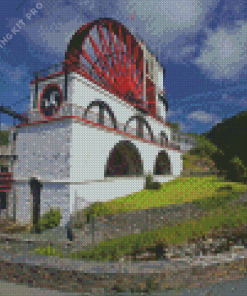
(138,221)
(124,224)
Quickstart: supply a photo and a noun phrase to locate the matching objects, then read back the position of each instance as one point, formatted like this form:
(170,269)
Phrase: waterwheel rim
(106,51)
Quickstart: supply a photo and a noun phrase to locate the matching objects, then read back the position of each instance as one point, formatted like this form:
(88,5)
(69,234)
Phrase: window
(4,169)
(3,196)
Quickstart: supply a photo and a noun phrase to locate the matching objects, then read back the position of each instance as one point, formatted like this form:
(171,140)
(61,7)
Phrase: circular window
(50,100)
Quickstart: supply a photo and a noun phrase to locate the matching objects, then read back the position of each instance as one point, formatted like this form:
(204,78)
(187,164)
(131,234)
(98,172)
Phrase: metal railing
(78,111)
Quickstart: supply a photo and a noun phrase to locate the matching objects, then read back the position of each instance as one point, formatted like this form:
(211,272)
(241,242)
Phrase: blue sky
(202,44)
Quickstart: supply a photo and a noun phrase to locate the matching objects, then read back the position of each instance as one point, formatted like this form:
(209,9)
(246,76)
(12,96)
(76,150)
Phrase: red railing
(6,181)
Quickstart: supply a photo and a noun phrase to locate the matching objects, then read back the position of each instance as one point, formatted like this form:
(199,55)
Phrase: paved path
(230,288)
(227,288)
(12,289)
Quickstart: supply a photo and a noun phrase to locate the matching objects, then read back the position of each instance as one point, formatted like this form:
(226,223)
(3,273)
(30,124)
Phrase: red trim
(50,76)
(86,75)
(41,97)
(6,181)
(95,124)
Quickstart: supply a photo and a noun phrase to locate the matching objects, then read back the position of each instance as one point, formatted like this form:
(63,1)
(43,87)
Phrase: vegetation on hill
(229,166)
(206,191)
(231,137)
(4,137)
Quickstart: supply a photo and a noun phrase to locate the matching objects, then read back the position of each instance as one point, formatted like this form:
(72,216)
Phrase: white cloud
(4,127)
(225,53)
(227,99)
(172,113)
(164,24)
(167,23)
(202,116)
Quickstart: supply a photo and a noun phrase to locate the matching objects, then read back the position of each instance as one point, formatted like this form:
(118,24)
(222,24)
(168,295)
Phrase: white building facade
(84,143)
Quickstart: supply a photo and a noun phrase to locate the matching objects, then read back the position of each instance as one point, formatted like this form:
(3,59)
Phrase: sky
(201,44)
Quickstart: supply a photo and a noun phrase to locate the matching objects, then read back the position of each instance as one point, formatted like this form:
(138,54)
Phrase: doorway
(36,186)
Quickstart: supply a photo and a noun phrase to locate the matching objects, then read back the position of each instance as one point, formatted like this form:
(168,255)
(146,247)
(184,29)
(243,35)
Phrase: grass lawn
(180,190)
(205,191)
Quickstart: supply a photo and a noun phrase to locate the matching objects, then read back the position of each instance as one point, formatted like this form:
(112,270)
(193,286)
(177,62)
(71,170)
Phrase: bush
(232,169)
(150,184)
(49,220)
(204,147)
(238,172)
(96,209)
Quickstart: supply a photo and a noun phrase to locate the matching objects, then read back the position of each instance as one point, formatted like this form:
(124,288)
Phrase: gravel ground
(230,288)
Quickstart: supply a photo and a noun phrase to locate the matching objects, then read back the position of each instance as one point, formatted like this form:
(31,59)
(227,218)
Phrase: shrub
(48,252)
(150,184)
(49,220)
(204,147)
(238,172)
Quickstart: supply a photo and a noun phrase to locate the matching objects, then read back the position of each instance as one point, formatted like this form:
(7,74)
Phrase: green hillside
(207,191)
(231,136)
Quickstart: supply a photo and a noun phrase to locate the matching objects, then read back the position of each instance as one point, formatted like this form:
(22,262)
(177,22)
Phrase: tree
(174,125)
(237,171)
(204,147)
(4,137)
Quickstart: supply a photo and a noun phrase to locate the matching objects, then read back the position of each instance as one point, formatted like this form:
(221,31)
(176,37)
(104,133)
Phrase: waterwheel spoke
(111,53)
(121,50)
(117,51)
(101,73)
(104,48)
(119,75)
(128,37)
(111,42)
(100,55)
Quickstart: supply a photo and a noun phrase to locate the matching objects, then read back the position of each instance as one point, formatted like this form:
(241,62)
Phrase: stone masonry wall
(124,224)
(127,223)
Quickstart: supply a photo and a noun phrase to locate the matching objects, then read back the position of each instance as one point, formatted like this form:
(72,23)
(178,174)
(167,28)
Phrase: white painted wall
(91,146)
(84,92)
(108,189)
(81,92)
(43,151)
(160,79)
(53,195)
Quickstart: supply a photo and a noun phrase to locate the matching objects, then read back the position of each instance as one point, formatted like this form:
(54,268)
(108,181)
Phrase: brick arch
(162,164)
(103,106)
(124,160)
(140,122)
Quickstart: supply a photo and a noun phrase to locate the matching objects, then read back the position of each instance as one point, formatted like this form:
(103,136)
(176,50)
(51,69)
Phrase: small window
(3,198)
(4,169)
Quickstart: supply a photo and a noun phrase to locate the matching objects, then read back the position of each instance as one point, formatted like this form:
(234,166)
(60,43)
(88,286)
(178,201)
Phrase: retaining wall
(107,278)
(123,224)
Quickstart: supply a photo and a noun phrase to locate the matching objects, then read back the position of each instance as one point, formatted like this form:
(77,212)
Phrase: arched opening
(102,108)
(124,160)
(140,123)
(162,165)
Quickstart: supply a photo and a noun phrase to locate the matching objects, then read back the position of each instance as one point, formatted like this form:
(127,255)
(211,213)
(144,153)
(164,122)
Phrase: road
(229,288)
(13,289)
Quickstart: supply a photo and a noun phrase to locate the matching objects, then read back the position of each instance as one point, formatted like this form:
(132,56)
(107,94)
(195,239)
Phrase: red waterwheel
(107,52)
